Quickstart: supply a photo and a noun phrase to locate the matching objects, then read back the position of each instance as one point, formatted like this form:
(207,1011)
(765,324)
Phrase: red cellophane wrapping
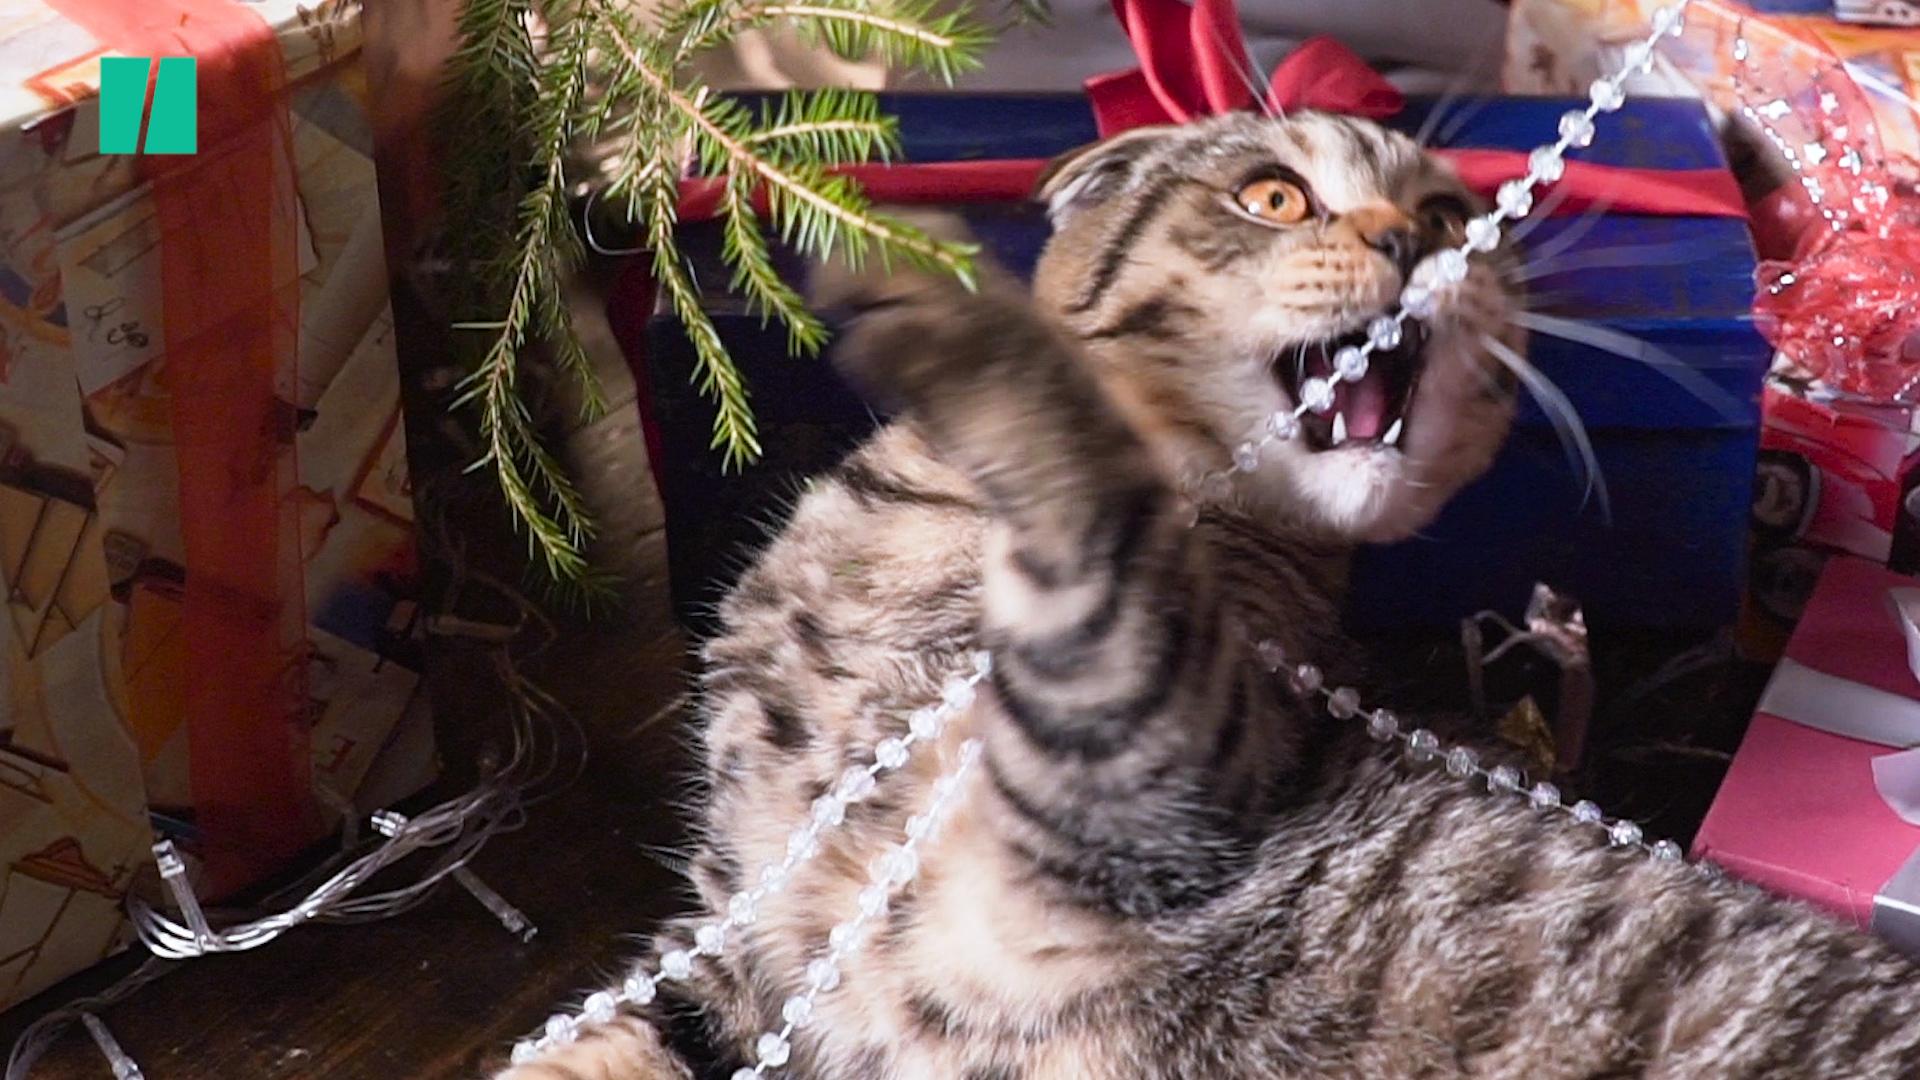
(1847,311)
(1841,297)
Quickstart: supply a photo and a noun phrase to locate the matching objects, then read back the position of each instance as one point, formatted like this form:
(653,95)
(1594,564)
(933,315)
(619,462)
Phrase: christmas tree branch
(898,28)
(844,223)
(558,74)
(535,486)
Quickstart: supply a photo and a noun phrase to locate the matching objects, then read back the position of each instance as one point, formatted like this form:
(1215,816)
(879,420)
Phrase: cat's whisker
(1454,92)
(1568,236)
(1488,380)
(1262,85)
(673,860)
(1601,258)
(1565,419)
(1443,111)
(1632,348)
(1459,122)
(1250,75)
(1546,301)
(1544,212)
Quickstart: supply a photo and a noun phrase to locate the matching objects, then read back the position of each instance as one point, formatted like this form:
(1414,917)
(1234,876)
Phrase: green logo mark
(173,128)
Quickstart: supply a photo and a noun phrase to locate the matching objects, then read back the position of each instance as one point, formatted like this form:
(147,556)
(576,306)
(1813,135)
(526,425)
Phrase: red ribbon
(229,266)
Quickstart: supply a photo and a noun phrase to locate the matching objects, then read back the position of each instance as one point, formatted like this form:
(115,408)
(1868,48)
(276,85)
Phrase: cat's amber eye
(1278,201)
(1445,215)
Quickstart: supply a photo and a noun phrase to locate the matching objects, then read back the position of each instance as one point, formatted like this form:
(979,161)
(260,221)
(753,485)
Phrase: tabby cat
(1170,865)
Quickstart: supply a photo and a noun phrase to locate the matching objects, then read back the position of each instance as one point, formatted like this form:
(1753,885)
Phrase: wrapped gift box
(1811,804)
(1670,554)
(205,520)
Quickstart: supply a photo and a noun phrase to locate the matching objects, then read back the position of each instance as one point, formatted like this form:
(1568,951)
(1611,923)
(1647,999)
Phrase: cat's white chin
(1365,492)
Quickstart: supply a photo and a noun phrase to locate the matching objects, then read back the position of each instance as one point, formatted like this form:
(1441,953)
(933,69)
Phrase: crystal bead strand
(891,871)
(828,811)
(1461,762)
(1513,200)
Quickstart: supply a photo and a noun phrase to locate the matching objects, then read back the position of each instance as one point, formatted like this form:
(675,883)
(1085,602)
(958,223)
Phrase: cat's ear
(1083,177)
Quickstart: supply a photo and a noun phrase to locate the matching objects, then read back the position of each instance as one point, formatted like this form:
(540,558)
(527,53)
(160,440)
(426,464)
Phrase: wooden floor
(438,992)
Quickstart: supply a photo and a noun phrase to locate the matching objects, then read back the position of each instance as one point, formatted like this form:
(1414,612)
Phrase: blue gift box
(1678,468)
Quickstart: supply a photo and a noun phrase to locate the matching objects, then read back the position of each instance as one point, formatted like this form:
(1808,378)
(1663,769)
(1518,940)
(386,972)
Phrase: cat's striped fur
(1169,866)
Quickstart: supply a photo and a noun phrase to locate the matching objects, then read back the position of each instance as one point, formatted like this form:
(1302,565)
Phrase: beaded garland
(1461,762)
(895,868)
(828,811)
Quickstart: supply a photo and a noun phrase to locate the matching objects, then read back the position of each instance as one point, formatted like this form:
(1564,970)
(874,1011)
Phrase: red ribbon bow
(1194,63)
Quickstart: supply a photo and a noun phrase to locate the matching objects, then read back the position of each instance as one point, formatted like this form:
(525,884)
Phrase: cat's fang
(1339,428)
(1392,437)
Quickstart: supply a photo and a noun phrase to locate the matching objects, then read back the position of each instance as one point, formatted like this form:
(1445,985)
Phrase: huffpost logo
(173,126)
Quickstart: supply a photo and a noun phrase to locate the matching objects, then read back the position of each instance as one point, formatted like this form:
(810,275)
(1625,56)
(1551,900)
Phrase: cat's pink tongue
(1364,404)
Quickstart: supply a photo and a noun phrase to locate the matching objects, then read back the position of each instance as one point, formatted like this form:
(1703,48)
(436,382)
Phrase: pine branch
(744,248)
(734,432)
(819,213)
(560,75)
(833,127)
(903,33)
(911,33)
(495,47)
(534,483)
(1035,12)
(694,26)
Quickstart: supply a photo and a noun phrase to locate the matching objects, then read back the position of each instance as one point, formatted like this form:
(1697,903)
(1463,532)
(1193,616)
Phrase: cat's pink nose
(1387,229)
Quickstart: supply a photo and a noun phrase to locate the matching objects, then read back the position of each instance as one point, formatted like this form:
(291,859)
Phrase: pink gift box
(1799,811)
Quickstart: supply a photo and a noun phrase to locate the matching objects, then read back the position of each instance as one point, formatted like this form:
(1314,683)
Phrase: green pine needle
(832,127)
(560,75)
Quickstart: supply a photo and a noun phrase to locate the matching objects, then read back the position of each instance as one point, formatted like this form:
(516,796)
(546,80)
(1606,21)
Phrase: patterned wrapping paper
(1559,46)
(97,669)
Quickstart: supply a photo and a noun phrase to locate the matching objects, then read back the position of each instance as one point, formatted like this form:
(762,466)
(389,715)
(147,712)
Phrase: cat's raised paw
(846,289)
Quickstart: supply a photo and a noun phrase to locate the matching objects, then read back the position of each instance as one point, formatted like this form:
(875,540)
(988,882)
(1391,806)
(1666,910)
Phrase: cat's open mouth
(1371,411)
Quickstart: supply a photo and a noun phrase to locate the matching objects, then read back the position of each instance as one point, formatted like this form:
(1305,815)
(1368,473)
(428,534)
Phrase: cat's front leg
(627,1047)
(1131,746)
(681,1027)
